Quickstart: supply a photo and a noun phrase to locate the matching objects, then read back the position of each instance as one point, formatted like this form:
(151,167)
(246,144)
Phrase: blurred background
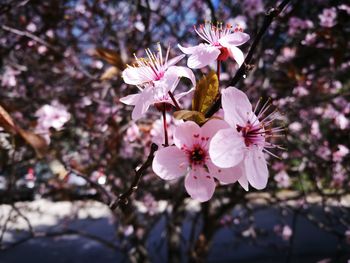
(68,146)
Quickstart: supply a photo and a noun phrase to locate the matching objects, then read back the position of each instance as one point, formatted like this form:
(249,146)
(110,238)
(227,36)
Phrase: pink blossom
(296,25)
(222,42)
(287,232)
(282,179)
(341,153)
(328,17)
(339,176)
(243,144)
(155,77)
(342,121)
(132,133)
(253,7)
(189,157)
(51,116)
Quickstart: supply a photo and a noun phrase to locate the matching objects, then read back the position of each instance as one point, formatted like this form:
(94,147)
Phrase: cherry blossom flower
(189,157)
(222,42)
(340,153)
(155,77)
(243,144)
(328,17)
(51,116)
(282,179)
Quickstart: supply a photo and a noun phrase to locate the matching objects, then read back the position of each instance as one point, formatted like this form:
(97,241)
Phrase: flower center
(252,134)
(197,155)
(224,54)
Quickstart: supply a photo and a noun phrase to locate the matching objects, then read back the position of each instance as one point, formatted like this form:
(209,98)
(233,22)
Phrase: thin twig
(106,197)
(28,35)
(123,198)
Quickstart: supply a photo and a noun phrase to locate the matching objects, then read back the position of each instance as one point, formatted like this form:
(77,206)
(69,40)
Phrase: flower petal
(236,106)
(130,99)
(235,39)
(226,148)
(225,175)
(137,75)
(146,99)
(182,72)
(170,163)
(203,56)
(236,54)
(243,181)
(182,94)
(187,50)
(186,133)
(256,168)
(173,61)
(200,185)
(211,127)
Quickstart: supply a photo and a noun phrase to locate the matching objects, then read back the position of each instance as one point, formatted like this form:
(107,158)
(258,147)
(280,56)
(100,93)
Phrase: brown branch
(123,198)
(269,17)
(28,35)
(105,196)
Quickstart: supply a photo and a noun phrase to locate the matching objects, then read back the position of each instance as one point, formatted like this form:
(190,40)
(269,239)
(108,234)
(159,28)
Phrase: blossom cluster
(220,150)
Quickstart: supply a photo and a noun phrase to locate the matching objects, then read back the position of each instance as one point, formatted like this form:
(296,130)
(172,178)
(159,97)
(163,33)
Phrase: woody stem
(166,141)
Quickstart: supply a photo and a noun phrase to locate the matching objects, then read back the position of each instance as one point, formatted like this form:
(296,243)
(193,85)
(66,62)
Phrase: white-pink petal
(146,99)
(182,72)
(200,185)
(130,99)
(243,181)
(226,148)
(236,106)
(235,39)
(173,61)
(225,175)
(187,50)
(137,75)
(185,134)
(170,163)
(203,56)
(256,168)
(182,94)
(211,127)
(236,54)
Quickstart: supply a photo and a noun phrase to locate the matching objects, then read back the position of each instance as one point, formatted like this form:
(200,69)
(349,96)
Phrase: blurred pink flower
(341,121)
(253,7)
(243,144)
(51,116)
(189,156)
(222,43)
(296,25)
(341,153)
(300,91)
(328,17)
(155,77)
(287,232)
(282,179)
(132,133)
(339,176)
(8,78)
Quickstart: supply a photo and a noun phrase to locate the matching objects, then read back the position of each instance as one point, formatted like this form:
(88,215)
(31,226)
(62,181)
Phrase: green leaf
(189,115)
(207,90)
